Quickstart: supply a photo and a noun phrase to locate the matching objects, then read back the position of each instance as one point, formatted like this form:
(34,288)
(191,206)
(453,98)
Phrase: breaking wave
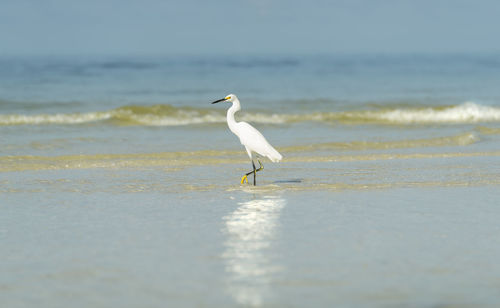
(465,113)
(166,115)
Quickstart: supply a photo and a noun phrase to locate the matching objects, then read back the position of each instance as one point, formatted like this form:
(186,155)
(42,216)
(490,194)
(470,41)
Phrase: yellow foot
(243,179)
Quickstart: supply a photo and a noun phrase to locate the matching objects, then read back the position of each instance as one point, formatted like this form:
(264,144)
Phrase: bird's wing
(255,141)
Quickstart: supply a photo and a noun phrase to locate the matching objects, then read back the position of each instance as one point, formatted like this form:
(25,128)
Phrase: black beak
(219,100)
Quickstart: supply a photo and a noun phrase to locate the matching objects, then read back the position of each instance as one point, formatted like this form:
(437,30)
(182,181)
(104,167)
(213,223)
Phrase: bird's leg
(254,171)
(261,166)
(245,177)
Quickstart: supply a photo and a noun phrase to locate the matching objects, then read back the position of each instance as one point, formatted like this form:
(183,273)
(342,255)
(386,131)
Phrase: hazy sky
(248,26)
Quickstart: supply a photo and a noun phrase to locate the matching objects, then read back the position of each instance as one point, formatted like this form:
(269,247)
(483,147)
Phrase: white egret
(250,138)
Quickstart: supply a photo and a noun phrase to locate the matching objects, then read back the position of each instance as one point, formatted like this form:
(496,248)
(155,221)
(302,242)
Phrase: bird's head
(229,98)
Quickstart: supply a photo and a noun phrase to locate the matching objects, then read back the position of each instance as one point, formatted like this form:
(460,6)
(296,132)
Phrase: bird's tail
(274,155)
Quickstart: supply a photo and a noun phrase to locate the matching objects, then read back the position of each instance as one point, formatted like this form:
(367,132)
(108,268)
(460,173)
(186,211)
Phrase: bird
(250,138)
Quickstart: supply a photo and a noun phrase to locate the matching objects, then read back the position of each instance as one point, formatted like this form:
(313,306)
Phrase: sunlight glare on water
(250,259)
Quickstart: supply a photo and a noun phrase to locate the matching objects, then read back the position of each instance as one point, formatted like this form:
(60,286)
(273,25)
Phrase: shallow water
(120,183)
(133,245)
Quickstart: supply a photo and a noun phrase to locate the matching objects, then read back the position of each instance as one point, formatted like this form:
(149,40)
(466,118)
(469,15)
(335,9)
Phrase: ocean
(120,182)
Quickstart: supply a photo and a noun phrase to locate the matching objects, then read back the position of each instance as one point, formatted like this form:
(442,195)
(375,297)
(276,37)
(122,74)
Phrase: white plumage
(250,138)
(253,141)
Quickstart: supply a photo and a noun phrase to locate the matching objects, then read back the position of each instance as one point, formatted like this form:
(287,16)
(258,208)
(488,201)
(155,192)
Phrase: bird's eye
(228,97)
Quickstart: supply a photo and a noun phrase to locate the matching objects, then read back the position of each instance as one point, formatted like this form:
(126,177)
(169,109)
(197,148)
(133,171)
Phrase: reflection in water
(251,229)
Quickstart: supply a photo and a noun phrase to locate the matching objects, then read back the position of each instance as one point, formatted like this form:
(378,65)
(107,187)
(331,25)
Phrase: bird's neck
(231,122)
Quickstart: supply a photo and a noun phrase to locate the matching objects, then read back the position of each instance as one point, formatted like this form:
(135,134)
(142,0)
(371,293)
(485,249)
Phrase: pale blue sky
(248,26)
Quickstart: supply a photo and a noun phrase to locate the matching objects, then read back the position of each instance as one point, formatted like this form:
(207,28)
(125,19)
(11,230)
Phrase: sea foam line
(468,112)
(166,115)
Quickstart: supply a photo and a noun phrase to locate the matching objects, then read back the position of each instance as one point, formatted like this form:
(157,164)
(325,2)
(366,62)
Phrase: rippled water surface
(120,183)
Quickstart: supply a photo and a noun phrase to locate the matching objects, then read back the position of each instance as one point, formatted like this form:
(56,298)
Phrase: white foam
(468,112)
(153,120)
(76,118)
